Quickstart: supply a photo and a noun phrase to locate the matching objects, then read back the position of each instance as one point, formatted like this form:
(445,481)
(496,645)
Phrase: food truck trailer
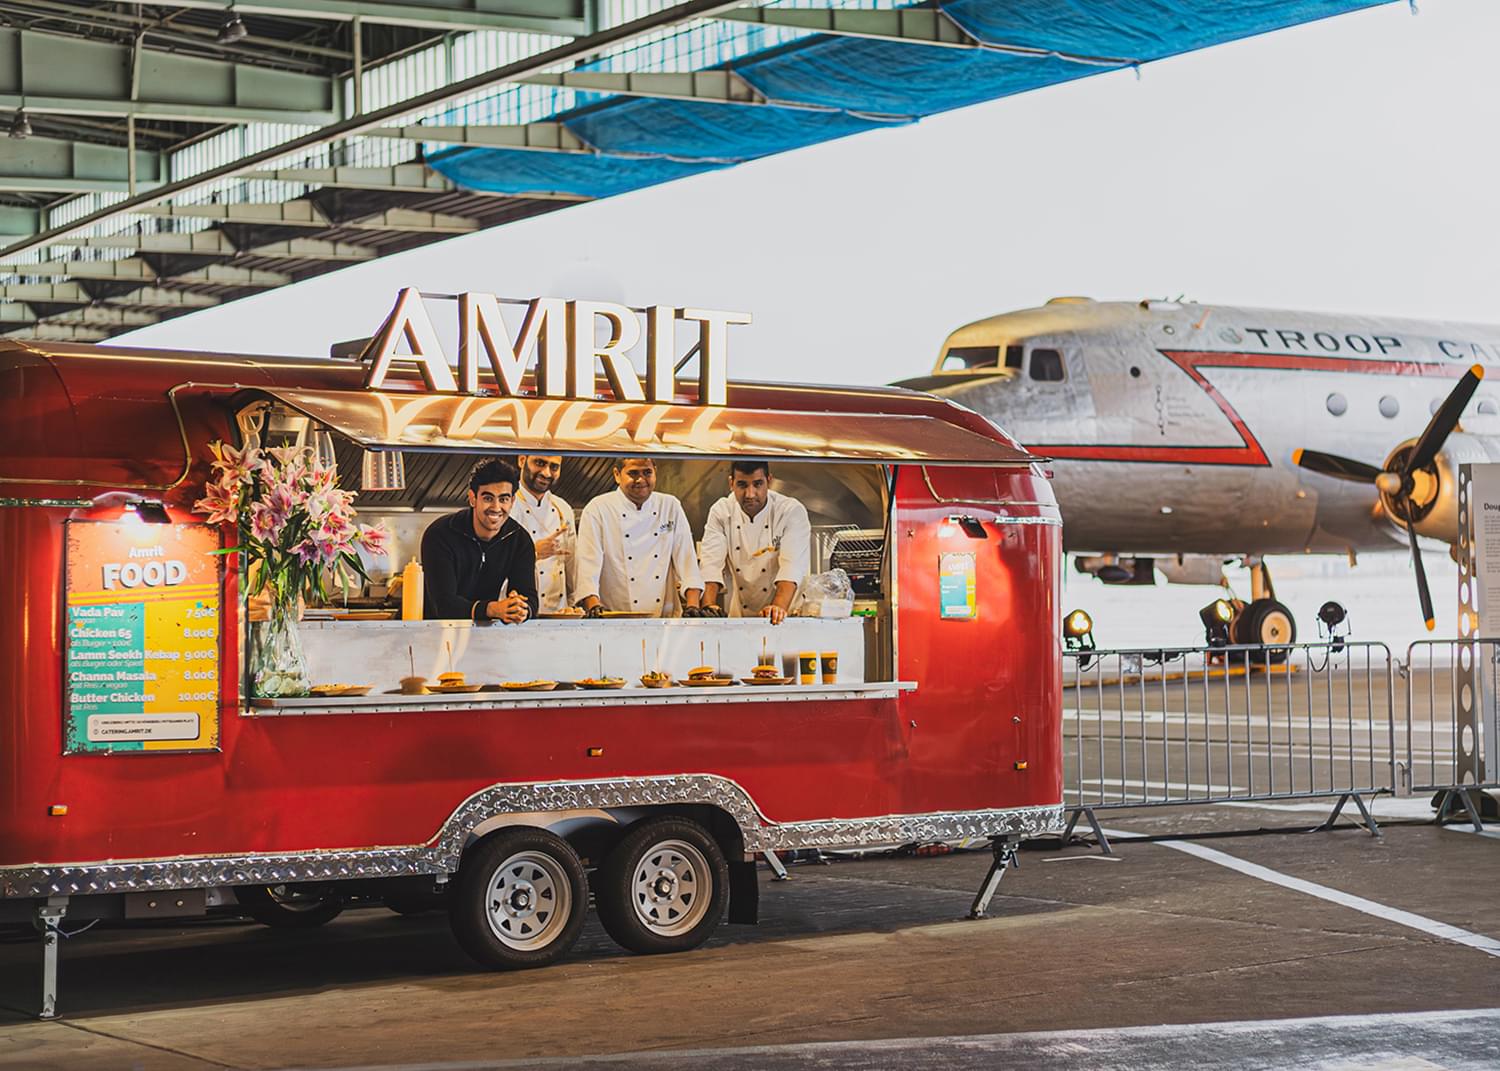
(142,778)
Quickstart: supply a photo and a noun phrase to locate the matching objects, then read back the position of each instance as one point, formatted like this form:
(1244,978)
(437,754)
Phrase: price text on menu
(142,637)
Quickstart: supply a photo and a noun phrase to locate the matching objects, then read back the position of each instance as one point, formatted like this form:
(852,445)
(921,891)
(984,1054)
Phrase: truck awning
(444,422)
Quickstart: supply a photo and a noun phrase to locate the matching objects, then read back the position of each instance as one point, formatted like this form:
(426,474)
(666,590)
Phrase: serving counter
(380,653)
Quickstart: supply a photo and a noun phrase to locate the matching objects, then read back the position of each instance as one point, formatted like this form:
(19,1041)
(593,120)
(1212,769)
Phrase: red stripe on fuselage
(1249,452)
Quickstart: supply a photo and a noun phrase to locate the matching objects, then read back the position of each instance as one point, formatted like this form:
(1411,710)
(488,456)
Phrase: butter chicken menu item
(141,637)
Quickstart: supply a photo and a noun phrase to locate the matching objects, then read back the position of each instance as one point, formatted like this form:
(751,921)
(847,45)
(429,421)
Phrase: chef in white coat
(549,521)
(757,544)
(635,548)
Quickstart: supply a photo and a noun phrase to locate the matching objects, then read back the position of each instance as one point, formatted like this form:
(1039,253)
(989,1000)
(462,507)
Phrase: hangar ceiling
(164,157)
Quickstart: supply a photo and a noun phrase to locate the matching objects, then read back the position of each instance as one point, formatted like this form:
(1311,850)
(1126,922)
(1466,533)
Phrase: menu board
(956,588)
(142,646)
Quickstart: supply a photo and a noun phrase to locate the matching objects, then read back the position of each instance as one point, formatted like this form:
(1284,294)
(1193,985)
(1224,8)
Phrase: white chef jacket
(541,517)
(635,558)
(750,555)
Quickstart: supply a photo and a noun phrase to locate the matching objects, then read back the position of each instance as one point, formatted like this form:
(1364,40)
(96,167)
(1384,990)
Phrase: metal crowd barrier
(1452,700)
(1199,725)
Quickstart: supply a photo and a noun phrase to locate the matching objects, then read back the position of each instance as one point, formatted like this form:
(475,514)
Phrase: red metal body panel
(988,697)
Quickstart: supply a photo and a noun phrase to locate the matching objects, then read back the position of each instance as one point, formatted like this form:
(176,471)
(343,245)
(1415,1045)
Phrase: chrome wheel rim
(528,901)
(670,888)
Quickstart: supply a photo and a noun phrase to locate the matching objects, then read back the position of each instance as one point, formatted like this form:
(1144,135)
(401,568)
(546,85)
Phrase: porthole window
(1135,373)
(1389,407)
(1488,407)
(1337,404)
(1433,408)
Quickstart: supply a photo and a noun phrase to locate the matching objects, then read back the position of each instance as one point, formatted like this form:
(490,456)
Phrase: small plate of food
(705,677)
(528,686)
(656,679)
(567,613)
(328,691)
(766,673)
(449,683)
(601,683)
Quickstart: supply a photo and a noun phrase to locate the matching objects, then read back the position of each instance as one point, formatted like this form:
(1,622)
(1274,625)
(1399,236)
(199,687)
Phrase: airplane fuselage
(1172,426)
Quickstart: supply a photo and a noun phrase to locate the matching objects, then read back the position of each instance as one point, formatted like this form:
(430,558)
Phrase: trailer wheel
(285,907)
(1268,623)
(519,900)
(663,887)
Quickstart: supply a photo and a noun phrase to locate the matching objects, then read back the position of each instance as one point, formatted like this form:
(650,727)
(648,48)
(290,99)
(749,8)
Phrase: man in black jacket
(468,557)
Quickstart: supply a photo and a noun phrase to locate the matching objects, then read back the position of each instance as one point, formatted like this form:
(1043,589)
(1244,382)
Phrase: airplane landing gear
(1265,621)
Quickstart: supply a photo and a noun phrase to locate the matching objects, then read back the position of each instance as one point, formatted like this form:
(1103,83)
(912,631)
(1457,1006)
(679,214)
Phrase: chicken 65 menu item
(142,637)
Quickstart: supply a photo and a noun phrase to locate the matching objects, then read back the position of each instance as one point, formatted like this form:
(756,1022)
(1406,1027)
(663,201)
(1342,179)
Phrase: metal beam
(354,125)
(403,178)
(18,221)
(46,293)
(74,166)
(136,269)
(102,316)
(535,137)
(217,243)
(51,73)
(527,16)
(911,26)
(232,275)
(13,312)
(704,87)
(305,214)
(59,333)
(155,297)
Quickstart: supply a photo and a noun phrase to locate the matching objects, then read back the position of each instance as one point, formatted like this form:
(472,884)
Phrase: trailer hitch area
(1004,849)
(48,922)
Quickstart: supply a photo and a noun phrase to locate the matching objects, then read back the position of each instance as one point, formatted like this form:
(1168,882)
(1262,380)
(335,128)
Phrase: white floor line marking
(1488,945)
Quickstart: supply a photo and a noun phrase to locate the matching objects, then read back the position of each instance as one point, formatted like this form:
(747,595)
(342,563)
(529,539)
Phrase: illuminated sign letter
(661,377)
(480,322)
(409,320)
(539,331)
(713,344)
(624,333)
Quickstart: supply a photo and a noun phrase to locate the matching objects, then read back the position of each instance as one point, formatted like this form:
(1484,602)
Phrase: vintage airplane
(1184,434)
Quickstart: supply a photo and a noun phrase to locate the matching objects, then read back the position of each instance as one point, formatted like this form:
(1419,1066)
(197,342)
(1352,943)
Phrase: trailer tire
(282,908)
(663,887)
(519,900)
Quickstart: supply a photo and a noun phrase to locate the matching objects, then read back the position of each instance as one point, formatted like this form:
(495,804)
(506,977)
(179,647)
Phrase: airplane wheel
(1266,623)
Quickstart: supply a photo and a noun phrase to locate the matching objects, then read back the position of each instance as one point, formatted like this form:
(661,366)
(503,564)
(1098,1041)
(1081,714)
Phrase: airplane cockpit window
(1046,365)
(1013,355)
(959,358)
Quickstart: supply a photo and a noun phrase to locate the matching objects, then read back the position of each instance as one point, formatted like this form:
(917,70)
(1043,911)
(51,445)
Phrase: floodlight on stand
(1078,631)
(233,30)
(382,470)
(1216,618)
(1334,619)
(20,126)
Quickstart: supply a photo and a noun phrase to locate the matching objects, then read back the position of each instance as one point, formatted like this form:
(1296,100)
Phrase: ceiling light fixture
(233,30)
(20,126)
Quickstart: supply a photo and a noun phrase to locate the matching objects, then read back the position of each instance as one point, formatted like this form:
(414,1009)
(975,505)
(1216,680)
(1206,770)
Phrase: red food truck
(142,777)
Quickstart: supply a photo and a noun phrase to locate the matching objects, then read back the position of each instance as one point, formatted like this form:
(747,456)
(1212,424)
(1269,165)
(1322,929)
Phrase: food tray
(600,684)
(767,680)
(453,689)
(330,691)
(528,686)
(707,682)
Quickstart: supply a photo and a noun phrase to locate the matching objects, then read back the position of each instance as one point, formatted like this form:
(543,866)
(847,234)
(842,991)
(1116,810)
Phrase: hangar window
(1046,365)
(960,357)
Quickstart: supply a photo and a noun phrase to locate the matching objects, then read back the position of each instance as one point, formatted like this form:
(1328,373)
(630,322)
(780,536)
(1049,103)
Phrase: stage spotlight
(1216,618)
(234,30)
(1078,631)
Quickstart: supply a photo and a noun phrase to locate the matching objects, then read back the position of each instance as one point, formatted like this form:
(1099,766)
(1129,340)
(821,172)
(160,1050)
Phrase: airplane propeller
(1400,481)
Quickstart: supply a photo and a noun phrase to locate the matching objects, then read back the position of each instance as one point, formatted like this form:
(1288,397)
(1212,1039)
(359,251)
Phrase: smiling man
(757,544)
(548,519)
(635,549)
(470,557)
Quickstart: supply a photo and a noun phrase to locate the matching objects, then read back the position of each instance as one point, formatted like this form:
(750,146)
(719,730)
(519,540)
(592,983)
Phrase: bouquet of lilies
(297,532)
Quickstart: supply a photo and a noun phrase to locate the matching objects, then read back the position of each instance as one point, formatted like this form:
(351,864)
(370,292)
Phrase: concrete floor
(872,954)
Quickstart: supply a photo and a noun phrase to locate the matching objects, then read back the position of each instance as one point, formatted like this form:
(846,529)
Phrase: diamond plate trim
(441,854)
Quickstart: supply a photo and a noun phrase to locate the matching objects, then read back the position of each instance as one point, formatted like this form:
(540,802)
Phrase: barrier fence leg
(1366,818)
(1073,816)
(777,866)
(1004,852)
(1445,807)
(48,919)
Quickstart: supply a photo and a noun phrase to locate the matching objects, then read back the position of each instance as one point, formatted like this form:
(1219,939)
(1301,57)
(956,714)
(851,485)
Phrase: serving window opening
(361,633)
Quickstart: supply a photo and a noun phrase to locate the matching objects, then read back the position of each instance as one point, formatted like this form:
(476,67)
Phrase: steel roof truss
(534,137)
(305,214)
(403,178)
(566,18)
(706,87)
(53,164)
(46,293)
(912,26)
(216,243)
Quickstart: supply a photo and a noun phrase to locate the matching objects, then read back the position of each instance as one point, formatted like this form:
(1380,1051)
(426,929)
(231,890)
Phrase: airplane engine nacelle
(1434,495)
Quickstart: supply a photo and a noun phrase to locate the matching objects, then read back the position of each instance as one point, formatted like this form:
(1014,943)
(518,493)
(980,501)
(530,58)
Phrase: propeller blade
(1340,468)
(1423,594)
(1443,422)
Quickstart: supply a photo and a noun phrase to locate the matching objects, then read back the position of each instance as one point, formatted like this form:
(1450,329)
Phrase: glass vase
(277,666)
